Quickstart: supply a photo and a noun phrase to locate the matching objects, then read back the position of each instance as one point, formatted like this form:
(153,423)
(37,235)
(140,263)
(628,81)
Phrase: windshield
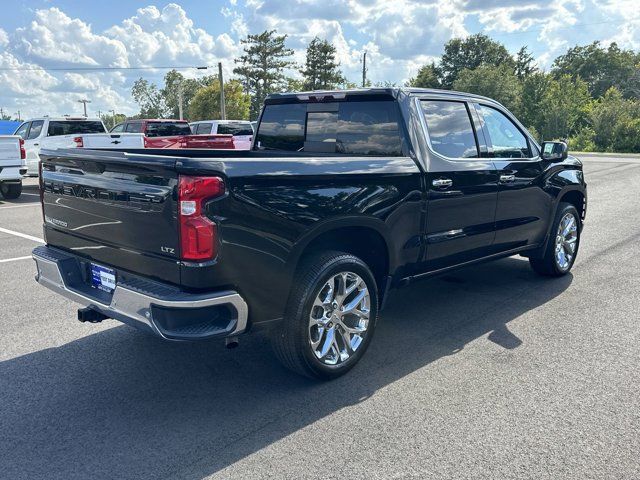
(73,127)
(167,129)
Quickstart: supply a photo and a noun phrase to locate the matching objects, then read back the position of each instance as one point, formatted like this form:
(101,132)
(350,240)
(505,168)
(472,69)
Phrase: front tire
(562,246)
(11,191)
(330,317)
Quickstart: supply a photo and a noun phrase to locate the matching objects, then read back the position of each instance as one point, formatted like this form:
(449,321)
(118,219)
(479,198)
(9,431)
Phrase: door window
(22,130)
(36,129)
(449,128)
(507,139)
(118,128)
(203,128)
(135,127)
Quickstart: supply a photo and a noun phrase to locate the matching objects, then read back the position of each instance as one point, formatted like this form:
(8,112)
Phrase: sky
(46,44)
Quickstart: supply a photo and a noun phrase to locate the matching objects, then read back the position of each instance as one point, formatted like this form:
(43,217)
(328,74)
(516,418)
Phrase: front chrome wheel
(339,318)
(566,241)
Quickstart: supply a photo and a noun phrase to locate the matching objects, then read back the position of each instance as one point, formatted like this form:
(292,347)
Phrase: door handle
(442,183)
(36,144)
(507,178)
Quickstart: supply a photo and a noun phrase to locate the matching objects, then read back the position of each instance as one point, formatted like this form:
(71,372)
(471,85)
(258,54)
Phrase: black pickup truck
(344,196)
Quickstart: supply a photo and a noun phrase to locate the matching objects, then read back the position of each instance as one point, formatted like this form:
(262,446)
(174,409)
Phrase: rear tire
(562,246)
(11,191)
(321,335)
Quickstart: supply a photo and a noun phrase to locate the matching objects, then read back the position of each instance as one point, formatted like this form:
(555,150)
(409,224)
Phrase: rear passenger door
(462,186)
(523,206)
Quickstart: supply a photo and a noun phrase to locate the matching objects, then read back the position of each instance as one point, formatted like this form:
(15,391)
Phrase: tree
(601,68)
(205,105)
(565,104)
(470,53)
(174,81)
(428,77)
(534,88)
(112,120)
(150,99)
(524,64)
(262,66)
(321,70)
(614,122)
(498,83)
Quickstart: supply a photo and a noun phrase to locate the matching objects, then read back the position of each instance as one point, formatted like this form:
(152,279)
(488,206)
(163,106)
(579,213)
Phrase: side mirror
(555,151)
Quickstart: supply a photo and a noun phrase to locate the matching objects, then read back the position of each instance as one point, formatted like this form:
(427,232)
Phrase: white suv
(53,132)
(241,130)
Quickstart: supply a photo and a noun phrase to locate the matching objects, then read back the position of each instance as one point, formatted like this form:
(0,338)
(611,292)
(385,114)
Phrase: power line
(99,69)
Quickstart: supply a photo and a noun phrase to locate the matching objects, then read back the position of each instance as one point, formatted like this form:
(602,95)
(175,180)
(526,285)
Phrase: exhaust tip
(231,342)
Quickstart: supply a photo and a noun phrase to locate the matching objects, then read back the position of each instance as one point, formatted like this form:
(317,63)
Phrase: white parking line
(14,259)
(31,194)
(23,235)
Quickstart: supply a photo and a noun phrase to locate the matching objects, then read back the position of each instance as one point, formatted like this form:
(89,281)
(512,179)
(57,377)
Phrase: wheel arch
(365,238)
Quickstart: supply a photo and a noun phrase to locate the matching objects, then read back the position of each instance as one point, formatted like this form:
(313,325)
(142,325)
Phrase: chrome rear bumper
(165,311)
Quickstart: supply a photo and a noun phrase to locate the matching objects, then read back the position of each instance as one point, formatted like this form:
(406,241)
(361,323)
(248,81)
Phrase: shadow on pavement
(119,404)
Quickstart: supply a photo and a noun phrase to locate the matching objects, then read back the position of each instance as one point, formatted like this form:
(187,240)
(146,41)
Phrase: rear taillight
(198,234)
(79,142)
(23,152)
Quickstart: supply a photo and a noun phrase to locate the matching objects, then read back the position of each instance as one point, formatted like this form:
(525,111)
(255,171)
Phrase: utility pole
(223,108)
(364,70)
(180,100)
(113,118)
(84,102)
(18,113)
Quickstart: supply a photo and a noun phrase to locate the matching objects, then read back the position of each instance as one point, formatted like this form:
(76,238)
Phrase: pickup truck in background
(242,130)
(344,197)
(163,133)
(50,132)
(121,141)
(12,166)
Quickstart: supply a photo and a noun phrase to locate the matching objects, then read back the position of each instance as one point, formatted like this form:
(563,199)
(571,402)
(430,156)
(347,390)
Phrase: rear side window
(73,127)
(203,128)
(118,128)
(167,129)
(356,128)
(36,129)
(449,128)
(235,129)
(507,139)
(22,130)
(135,127)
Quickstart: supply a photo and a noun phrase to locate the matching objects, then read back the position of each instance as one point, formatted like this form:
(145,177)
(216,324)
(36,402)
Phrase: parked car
(52,132)
(344,197)
(12,165)
(241,130)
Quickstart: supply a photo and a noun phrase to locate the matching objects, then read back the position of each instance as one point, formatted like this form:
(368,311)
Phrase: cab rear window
(73,127)
(354,128)
(235,129)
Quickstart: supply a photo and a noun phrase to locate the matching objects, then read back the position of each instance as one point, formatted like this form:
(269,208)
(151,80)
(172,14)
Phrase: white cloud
(399,37)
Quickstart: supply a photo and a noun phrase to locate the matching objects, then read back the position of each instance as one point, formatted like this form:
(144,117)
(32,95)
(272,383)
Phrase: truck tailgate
(113,208)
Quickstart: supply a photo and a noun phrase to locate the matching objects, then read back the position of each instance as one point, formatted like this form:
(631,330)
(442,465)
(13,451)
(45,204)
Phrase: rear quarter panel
(275,207)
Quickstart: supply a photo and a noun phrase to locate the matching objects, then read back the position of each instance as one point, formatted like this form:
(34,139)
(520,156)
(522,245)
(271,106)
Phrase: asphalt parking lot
(488,372)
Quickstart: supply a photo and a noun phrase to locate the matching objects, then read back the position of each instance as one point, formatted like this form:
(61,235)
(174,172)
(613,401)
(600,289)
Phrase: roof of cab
(64,119)
(384,91)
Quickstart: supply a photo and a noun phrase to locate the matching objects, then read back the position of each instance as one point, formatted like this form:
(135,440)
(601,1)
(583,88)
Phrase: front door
(523,207)
(462,187)
(32,146)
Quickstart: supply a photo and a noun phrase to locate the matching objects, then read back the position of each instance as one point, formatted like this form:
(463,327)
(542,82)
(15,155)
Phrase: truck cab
(53,132)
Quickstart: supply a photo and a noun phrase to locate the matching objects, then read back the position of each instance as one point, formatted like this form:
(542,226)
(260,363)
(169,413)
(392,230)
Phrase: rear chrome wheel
(339,318)
(566,241)
(330,316)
